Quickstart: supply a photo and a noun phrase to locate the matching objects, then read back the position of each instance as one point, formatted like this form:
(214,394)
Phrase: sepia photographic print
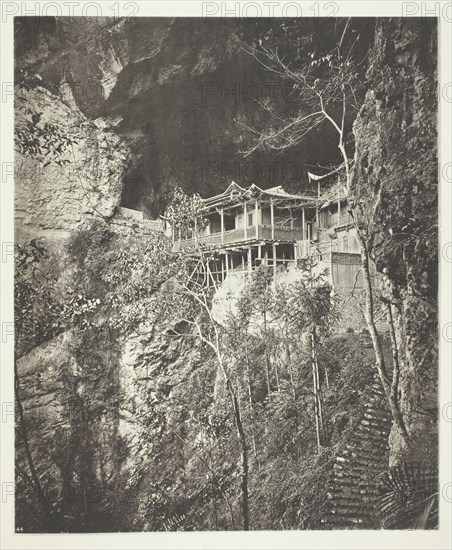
(226,271)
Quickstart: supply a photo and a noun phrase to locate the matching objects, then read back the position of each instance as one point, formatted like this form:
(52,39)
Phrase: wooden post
(338,205)
(226,259)
(243,262)
(222,225)
(266,257)
(259,252)
(256,220)
(274,263)
(245,221)
(272,219)
(303,223)
(250,265)
(196,231)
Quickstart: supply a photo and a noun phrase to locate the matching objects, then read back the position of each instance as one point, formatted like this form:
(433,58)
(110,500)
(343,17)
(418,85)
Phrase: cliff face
(53,196)
(395,186)
(180,99)
(99,405)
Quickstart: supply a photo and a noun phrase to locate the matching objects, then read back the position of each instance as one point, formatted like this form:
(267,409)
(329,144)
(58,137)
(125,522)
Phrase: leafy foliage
(409,498)
(262,351)
(43,305)
(35,137)
(124,272)
(185,211)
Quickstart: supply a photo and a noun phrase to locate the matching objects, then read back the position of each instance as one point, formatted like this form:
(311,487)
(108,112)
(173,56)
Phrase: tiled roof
(235,192)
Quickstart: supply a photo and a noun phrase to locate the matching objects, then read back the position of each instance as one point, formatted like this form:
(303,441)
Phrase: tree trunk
(43,504)
(320,402)
(267,358)
(327,381)
(267,363)
(376,341)
(395,355)
(369,306)
(243,457)
(241,438)
(289,366)
(250,397)
(277,377)
(315,382)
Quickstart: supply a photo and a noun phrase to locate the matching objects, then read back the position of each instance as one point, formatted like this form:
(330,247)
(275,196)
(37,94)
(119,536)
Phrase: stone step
(358,506)
(377,413)
(360,453)
(373,444)
(338,492)
(355,488)
(358,493)
(374,431)
(378,424)
(353,517)
(354,483)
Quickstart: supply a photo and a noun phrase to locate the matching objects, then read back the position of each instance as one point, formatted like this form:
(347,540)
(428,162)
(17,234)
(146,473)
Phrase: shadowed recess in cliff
(180,93)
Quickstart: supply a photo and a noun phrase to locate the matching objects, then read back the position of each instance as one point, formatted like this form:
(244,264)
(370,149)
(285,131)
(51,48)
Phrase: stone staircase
(354,487)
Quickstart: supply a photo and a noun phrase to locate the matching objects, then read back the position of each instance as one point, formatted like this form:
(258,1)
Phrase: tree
(129,276)
(43,308)
(254,314)
(329,87)
(35,137)
(185,212)
(306,308)
(191,302)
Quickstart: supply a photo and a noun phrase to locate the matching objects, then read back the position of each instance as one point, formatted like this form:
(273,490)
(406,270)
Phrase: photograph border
(435,540)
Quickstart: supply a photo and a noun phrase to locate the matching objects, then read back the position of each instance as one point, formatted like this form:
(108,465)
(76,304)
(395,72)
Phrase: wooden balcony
(344,220)
(241,236)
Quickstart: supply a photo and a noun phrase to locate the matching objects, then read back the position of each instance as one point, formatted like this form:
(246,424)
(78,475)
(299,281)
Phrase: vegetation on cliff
(192,476)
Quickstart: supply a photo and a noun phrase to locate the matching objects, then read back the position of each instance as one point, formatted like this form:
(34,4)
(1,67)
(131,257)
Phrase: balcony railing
(264,232)
(344,219)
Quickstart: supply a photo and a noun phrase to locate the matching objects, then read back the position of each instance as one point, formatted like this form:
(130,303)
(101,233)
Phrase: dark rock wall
(395,188)
(178,97)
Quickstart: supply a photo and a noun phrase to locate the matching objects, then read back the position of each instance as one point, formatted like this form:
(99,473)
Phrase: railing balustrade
(344,219)
(238,235)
